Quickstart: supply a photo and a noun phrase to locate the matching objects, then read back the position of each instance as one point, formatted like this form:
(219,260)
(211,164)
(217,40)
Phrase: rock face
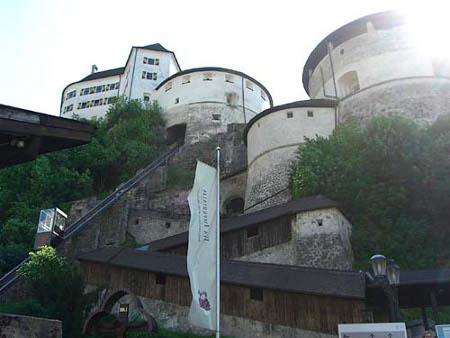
(16,326)
(155,209)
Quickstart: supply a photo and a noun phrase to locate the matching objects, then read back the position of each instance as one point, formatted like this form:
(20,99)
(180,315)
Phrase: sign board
(378,330)
(443,331)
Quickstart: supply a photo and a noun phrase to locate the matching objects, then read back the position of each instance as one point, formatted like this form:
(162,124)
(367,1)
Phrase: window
(186,79)
(252,231)
(160,279)
(71,94)
(256,294)
(112,99)
(249,85)
(97,102)
(290,114)
(177,100)
(146,97)
(207,76)
(216,117)
(310,113)
(68,108)
(97,89)
(84,105)
(229,78)
(150,61)
(149,76)
(168,86)
(263,95)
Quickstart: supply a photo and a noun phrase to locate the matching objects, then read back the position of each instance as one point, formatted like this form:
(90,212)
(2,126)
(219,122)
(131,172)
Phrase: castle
(292,256)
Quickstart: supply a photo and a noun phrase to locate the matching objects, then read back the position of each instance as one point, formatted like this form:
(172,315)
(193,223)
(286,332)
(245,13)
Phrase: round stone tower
(374,65)
(272,139)
(201,102)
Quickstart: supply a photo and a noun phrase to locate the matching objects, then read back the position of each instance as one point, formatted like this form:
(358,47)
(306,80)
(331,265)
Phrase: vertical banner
(201,256)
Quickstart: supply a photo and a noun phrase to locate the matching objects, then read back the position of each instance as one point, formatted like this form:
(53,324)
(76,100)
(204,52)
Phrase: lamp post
(387,277)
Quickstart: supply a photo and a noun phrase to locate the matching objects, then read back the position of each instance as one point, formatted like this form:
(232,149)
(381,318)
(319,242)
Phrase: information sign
(378,330)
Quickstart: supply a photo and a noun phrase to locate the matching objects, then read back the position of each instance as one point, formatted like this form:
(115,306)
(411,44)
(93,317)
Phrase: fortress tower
(375,65)
(201,102)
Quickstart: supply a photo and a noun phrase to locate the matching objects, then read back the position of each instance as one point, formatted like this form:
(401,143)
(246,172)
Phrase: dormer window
(168,86)
(186,79)
(207,76)
(229,78)
(249,85)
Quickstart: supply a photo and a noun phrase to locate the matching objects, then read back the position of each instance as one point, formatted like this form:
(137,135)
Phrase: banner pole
(218,247)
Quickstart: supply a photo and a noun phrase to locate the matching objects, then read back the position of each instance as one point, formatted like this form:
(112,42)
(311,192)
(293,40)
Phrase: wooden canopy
(24,134)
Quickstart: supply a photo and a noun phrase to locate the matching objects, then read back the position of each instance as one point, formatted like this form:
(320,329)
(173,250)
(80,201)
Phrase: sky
(45,45)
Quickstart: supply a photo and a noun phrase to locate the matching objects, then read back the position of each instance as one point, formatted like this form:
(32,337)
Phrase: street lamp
(387,277)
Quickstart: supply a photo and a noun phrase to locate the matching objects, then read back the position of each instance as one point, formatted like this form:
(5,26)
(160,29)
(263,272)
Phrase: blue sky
(45,45)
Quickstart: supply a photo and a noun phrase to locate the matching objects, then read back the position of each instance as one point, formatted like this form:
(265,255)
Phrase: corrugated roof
(416,277)
(104,73)
(246,220)
(157,47)
(287,278)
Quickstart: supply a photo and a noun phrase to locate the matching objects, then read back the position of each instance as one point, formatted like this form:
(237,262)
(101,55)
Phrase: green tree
(391,179)
(128,138)
(57,285)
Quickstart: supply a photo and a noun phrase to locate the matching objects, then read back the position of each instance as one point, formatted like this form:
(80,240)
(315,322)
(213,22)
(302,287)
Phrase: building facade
(271,245)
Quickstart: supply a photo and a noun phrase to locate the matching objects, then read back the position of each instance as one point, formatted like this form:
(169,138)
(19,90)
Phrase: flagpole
(218,247)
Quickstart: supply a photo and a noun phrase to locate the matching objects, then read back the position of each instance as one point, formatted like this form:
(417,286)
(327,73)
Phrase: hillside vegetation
(392,180)
(130,136)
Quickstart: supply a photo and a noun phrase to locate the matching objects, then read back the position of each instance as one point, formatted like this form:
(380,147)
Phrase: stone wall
(422,99)
(233,151)
(15,326)
(322,240)
(321,246)
(175,317)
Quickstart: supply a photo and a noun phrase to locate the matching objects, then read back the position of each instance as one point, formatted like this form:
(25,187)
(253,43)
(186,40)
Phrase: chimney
(94,69)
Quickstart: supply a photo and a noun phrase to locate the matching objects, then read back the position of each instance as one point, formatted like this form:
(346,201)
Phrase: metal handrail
(11,276)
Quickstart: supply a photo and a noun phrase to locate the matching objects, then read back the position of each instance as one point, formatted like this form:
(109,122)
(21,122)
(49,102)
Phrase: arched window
(348,83)
(234,206)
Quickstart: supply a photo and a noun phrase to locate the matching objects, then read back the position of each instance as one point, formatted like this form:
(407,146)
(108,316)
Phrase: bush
(391,179)
(29,307)
(57,285)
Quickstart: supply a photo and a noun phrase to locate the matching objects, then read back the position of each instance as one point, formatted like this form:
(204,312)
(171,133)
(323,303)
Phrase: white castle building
(368,67)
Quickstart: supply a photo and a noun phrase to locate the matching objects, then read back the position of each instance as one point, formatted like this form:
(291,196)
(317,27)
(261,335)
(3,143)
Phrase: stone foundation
(16,326)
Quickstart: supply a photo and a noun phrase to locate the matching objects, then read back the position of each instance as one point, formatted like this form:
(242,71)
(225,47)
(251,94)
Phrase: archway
(234,206)
(176,133)
(121,327)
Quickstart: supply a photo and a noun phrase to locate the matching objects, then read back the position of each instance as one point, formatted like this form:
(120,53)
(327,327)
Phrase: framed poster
(378,330)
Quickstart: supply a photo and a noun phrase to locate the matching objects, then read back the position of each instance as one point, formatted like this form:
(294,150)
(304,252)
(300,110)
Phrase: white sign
(202,247)
(443,331)
(378,330)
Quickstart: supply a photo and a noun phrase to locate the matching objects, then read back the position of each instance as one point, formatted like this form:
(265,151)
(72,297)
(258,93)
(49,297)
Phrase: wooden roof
(247,220)
(40,133)
(342,284)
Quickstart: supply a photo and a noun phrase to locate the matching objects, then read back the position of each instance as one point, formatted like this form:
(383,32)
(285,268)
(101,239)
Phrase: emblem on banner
(203,300)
